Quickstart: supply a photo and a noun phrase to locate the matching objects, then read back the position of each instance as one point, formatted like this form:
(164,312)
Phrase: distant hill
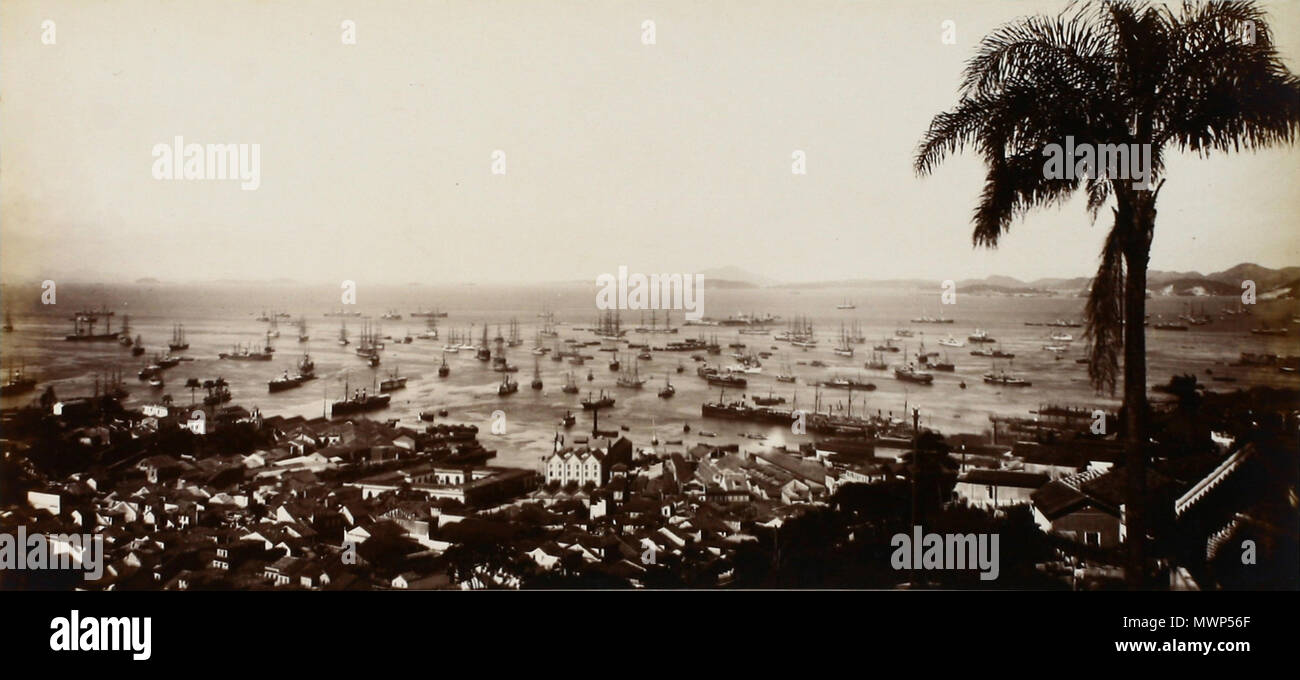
(1004,282)
(1263,277)
(1075,284)
(733,275)
(864,283)
(1226,282)
(989,289)
(1286,291)
(1158,278)
(1195,286)
(719,284)
(1270,283)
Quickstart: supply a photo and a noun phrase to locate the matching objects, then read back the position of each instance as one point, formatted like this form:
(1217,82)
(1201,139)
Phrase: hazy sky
(376,157)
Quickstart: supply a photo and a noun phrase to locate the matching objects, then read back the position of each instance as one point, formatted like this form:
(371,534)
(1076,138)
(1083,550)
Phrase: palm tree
(1205,78)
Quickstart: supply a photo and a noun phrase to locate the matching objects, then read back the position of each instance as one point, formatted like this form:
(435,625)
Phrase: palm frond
(1104,313)
(1226,88)
(1064,49)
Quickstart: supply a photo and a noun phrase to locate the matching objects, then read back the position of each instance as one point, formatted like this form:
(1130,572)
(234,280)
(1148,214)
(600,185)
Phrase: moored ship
(178,341)
(592,404)
(721,379)
(17,383)
(910,373)
(392,382)
(243,353)
(507,386)
(83,328)
(359,402)
(841,383)
(1005,379)
(305,372)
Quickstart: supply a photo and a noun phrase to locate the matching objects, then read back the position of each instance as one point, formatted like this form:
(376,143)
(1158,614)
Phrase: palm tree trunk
(1140,207)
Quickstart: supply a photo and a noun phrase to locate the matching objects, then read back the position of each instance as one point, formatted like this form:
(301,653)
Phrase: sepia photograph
(984,296)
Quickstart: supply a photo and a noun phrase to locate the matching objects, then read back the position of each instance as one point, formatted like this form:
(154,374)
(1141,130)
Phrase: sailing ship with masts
(786,375)
(631,379)
(844,348)
(800,330)
(125,340)
(856,336)
(514,340)
(548,326)
(483,352)
(83,327)
(302,329)
(368,344)
(178,341)
(499,362)
(111,384)
(244,353)
(609,326)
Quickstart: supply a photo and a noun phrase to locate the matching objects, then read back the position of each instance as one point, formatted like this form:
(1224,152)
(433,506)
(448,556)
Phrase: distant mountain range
(735,277)
(1269,283)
